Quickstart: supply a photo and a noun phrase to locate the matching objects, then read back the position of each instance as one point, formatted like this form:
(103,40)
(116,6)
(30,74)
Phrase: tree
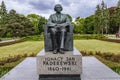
(117,12)
(106,19)
(3,13)
(79,22)
(112,22)
(89,25)
(38,22)
(102,19)
(17,26)
(35,20)
(3,10)
(97,24)
(14,30)
(42,21)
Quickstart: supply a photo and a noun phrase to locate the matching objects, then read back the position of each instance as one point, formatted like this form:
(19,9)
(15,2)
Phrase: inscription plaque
(48,63)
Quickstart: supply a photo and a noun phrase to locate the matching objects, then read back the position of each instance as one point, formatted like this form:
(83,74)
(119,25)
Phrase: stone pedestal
(66,66)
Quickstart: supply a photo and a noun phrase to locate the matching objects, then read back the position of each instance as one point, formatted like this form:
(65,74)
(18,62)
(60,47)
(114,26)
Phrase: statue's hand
(58,26)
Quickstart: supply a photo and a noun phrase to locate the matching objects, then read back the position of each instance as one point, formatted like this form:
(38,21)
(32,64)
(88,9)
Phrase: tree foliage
(13,24)
(117,16)
(89,25)
(42,21)
(97,19)
(17,26)
(79,22)
(3,13)
(105,20)
(102,19)
(38,22)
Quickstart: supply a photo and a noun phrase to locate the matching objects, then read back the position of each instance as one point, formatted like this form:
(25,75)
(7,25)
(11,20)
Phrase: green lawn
(21,48)
(97,45)
(35,46)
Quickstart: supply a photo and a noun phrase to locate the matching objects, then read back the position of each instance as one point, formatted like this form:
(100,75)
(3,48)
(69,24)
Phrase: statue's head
(58,8)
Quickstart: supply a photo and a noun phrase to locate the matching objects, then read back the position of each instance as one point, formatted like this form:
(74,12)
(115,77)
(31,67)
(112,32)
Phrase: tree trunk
(119,29)
(106,31)
(102,30)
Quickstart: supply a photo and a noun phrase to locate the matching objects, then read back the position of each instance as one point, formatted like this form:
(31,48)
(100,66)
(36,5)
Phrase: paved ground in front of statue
(93,69)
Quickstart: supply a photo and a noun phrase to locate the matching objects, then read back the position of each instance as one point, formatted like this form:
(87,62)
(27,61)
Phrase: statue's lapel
(55,17)
(60,18)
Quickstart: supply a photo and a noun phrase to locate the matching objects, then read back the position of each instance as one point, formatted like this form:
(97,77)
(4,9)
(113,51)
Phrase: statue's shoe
(54,51)
(61,51)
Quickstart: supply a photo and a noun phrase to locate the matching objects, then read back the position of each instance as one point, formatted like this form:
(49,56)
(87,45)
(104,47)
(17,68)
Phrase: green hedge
(110,40)
(88,36)
(33,38)
(76,37)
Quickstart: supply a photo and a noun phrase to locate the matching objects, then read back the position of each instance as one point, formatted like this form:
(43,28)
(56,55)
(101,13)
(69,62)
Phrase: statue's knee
(53,31)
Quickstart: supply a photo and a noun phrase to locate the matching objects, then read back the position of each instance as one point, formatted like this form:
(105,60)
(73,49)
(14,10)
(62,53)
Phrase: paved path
(93,69)
(114,38)
(6,41)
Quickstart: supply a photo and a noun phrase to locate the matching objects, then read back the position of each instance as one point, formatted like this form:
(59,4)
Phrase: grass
(83,45)
(97,45)
(93,46)
(24,48)
(21,48)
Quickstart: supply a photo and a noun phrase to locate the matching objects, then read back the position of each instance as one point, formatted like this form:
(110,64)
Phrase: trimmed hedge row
(14,58)
(76,36)
(7,63)
(91,36)
(108,56)
(33,38)
(110,40)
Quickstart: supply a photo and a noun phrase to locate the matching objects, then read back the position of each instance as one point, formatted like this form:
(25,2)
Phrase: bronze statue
(58,23)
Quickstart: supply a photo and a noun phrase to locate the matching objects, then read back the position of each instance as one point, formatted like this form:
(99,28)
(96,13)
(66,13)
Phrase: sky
(76,8)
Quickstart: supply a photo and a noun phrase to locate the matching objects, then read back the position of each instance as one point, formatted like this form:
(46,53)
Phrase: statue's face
(58,9)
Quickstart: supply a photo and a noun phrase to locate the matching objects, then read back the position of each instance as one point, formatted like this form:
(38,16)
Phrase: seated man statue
(57,25)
